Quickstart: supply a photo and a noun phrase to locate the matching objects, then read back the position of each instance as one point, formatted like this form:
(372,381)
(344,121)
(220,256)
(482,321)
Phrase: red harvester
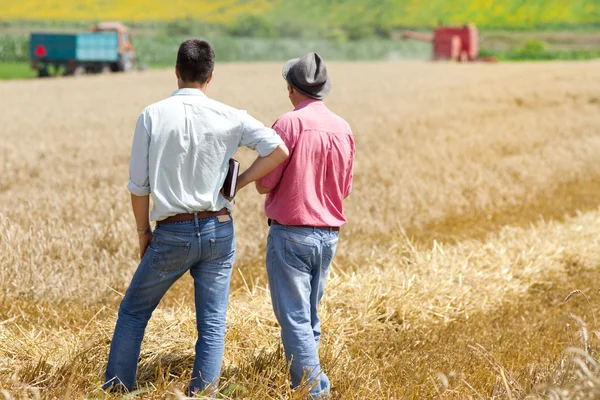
(452,43)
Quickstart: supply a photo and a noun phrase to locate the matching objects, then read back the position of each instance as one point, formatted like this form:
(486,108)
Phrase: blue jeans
(298,261)
(206,248)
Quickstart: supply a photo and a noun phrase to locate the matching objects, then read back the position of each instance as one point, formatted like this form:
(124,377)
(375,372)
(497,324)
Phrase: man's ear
(210,78)
(290,89)
(177,72)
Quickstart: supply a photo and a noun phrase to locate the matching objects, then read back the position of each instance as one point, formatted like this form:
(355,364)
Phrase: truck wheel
(125,62)
(43,72)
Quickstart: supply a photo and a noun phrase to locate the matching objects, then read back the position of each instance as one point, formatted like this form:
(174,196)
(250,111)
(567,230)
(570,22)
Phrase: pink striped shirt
(310,186)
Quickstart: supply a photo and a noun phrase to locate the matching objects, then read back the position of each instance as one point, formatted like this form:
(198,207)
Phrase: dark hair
(195,60)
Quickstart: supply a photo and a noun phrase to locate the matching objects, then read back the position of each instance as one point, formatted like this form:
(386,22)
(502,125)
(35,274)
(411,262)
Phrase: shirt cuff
(138,190)
(268,145)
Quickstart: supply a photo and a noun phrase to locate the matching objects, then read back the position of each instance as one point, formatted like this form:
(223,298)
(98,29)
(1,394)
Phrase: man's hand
(229,199)
(144,240)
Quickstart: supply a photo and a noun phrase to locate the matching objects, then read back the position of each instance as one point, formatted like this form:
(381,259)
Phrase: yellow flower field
(508,13)
(221,11)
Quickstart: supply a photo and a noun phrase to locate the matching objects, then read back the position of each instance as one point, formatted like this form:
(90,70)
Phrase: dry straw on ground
(446,152)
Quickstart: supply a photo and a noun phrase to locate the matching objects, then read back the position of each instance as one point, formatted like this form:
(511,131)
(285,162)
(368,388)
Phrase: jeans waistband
(325,228)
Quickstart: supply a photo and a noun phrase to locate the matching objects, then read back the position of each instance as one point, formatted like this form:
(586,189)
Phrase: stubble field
(474,214)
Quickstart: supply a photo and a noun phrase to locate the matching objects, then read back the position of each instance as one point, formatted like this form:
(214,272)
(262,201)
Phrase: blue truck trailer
(107,48)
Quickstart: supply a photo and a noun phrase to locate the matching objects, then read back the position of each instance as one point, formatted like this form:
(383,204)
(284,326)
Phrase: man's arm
(141,211)
(269,182)
(270,147)
(262,166)
(139,183)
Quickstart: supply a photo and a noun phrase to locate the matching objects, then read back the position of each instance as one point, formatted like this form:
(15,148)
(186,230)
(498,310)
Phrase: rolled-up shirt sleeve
(139,181)
(258,137)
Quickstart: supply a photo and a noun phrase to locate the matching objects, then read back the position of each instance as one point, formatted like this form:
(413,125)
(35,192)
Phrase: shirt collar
(307,103)
(188,92)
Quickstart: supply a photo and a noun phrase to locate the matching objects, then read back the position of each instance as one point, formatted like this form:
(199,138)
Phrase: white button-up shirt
(181,151)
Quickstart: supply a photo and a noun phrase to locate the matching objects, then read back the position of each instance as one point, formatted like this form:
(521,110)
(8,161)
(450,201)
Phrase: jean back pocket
(169,256)
(222,249)
(299,255)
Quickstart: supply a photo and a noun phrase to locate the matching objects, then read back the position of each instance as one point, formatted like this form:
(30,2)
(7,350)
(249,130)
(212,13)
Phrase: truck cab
(126,51)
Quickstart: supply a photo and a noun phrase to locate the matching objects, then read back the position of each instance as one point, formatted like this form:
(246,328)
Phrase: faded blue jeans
(298,261)
(206,248)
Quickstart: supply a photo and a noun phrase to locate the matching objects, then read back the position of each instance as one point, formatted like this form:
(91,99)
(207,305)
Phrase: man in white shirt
(180,157)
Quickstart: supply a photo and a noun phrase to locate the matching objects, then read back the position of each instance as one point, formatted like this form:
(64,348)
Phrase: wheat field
(474,215)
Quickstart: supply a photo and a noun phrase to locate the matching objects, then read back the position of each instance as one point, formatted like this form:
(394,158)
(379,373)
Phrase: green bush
(483,52)
(183,27)
(324,32)
(359,30)
(189,27)
(534,47)
(290,29)
(14,48)
(335,34)
(252,25)
(534,50)
(382,30)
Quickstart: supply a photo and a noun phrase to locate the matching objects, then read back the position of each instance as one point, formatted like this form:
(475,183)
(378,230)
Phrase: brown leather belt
(326,228)
(190,217)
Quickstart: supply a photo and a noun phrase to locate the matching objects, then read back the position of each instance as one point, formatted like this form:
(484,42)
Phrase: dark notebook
(231,178)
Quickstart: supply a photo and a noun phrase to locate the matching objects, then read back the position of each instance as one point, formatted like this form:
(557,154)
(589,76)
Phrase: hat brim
(289,77)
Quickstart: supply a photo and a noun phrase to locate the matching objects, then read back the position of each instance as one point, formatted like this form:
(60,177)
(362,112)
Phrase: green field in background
(12,70)
(162,50)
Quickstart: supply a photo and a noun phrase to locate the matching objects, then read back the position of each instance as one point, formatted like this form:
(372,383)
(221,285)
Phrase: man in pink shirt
(305,210)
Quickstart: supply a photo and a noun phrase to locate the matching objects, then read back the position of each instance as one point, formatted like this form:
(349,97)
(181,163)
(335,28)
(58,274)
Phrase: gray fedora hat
(308,75)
